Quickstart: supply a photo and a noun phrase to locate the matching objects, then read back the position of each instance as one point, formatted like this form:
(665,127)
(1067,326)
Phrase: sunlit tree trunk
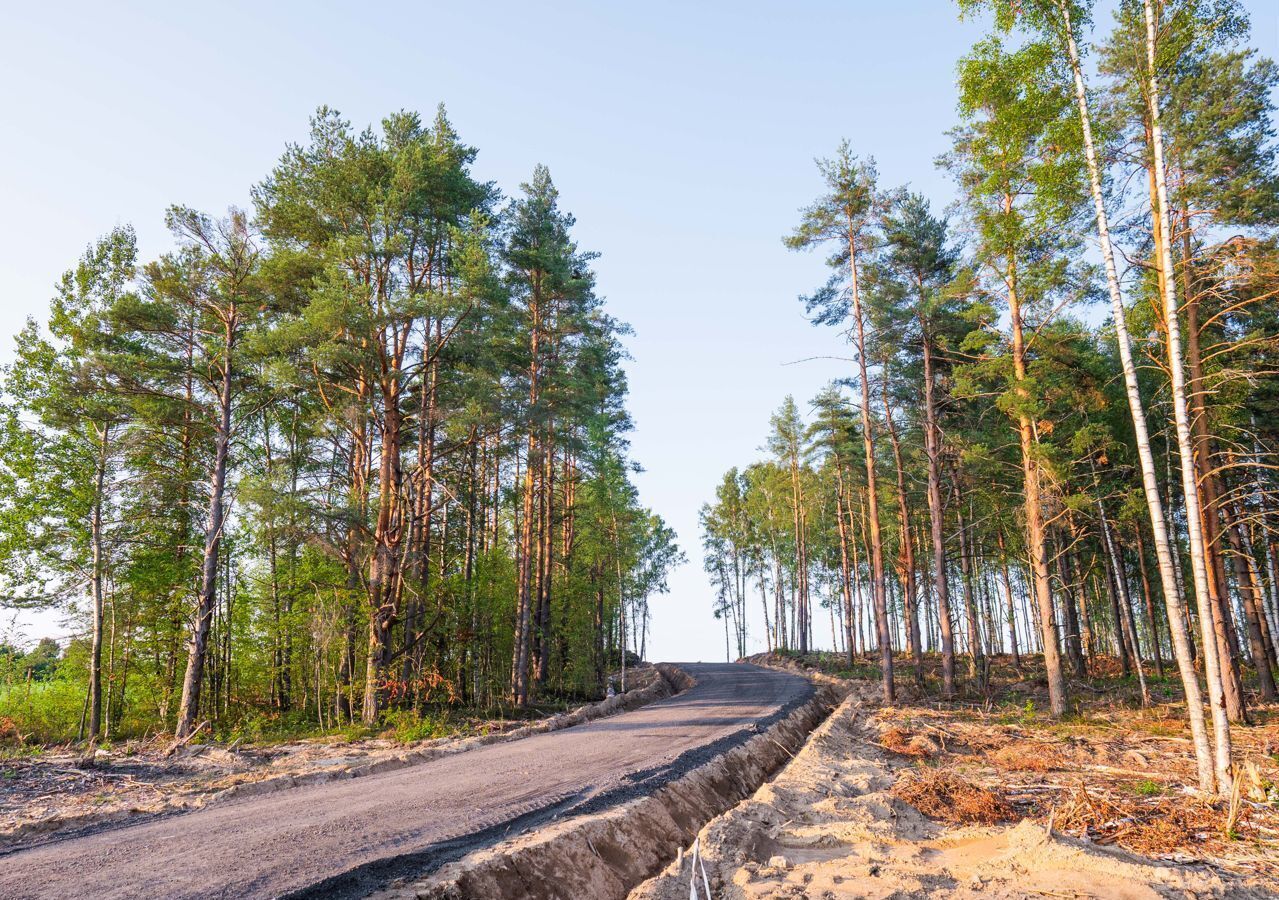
(907,554)
(1176,366)
(1179,634)
(878,594)
(1035,542)
(1210,494)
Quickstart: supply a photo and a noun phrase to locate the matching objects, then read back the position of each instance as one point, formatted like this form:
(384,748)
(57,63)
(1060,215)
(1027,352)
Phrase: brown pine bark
(878,596)
(527,526)
(936,515)
(1209,496)
(1253,605)
(845,571)
(1033,488)
(384,566)
(906,554)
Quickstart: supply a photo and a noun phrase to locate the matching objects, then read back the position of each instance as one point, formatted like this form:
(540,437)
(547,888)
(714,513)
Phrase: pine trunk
(878,597)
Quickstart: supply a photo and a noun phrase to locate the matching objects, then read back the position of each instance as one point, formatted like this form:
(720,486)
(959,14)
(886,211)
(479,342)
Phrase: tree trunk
(1125,623)
(907,554)
(1253,604)
(936,514)
(95,581)
(1182,647)
(1073,594)
(868,443)
(1176,365)
(1008,598)
(976,661)
(846,575)
(189,707)
(1035,543)
(532,465)
(384,567)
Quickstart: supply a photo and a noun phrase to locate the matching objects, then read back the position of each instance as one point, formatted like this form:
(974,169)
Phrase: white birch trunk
(1189,482)
(1163,552)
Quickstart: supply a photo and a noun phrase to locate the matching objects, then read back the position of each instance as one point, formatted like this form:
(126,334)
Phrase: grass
(1148,788)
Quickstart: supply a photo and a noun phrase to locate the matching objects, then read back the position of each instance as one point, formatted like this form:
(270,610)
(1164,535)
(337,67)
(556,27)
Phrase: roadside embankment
(53,794)
(603,855)
(832,824)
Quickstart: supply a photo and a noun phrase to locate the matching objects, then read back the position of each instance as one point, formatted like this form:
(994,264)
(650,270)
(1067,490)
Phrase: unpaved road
(346,837)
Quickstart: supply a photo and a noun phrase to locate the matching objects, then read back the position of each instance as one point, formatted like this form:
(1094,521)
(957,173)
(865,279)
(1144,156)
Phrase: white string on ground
(695,865)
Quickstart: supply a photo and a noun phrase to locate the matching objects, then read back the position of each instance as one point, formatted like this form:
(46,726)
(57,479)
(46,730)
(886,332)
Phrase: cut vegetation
(966,799)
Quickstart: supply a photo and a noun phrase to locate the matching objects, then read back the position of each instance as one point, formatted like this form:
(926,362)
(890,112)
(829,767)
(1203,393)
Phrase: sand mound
(845,819)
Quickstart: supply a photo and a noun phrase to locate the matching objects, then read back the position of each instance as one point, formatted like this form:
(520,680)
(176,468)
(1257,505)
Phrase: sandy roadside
(830,826)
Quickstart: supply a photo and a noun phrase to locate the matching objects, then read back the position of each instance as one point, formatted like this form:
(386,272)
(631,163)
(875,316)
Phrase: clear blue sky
(681,135)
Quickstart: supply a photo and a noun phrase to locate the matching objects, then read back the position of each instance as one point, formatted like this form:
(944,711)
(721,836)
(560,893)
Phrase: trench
(598,847)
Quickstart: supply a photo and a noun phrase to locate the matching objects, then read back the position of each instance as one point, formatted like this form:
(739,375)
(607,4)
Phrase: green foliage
(410,725)
(1148,788)
(371,353)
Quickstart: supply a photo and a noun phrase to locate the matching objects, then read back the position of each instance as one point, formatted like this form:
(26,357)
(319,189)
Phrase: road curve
(343,838)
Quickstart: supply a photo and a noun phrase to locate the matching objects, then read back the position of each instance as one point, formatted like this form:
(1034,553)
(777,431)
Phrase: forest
(1058,433)
(355,454)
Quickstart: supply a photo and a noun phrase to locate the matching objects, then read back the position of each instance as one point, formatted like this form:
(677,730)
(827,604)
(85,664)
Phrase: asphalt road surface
(346,837)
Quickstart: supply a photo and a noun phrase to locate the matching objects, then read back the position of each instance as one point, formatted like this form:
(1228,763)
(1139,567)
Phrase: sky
(681,135)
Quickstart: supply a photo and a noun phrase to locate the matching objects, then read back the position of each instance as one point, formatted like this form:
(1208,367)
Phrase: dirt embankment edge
(653,683)
(602,856)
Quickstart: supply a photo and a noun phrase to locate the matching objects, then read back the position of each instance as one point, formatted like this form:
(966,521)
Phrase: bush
(409,726)
(43,712)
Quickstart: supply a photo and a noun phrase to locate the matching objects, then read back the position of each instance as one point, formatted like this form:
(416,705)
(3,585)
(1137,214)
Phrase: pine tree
(847,216)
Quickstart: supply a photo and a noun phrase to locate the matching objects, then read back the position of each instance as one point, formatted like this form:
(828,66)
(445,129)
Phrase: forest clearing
(346,510)
(1013,804)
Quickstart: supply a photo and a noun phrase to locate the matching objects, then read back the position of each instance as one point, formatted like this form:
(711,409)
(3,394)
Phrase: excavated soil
(835,824)
(602,855)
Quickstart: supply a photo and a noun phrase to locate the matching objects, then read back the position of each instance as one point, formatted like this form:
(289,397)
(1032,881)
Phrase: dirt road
(347,837)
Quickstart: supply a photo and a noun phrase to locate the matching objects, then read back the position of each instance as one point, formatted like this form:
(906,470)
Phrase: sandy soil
(832,825)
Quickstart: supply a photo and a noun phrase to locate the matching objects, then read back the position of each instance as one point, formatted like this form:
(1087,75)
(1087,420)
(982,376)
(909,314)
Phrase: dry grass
(1027,756)
(1148,826)
(941,794)
(902,742)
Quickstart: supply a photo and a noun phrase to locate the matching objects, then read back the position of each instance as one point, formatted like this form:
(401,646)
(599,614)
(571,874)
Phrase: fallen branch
(182,742)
